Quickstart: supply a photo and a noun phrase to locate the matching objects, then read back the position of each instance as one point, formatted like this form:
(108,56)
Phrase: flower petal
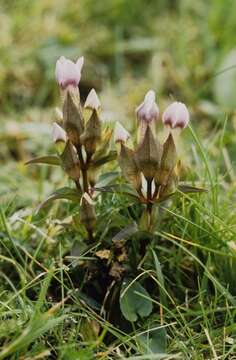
(176,115)
(67,72)
(148,111)
(92,101)
(120,133)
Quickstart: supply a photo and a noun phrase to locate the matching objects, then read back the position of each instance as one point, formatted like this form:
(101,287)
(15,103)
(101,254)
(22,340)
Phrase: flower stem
(90,236)
(78,186)
(85,179)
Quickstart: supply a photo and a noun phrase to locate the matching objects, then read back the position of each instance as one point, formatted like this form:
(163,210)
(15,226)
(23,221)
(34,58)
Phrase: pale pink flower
(176,115)
(67,72)
(148,111)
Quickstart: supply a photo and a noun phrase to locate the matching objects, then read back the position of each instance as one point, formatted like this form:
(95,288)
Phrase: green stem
(90,236)
(85,179)
(78,186)
(144,246)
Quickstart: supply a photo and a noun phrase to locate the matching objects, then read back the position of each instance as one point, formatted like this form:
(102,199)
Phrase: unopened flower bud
(120,133)
(70,161)
(176,115)
(148,111)
(92,102)
(67,72)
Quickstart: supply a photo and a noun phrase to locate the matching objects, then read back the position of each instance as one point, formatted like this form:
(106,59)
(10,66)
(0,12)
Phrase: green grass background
(184,50)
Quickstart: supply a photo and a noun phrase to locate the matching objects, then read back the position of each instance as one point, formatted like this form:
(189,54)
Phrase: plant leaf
(63,193)
(191,189)
(125,233)
(134,301)
(106,179)
(154,341)
(125,189)
(103,160)
(49,160)
(160,279)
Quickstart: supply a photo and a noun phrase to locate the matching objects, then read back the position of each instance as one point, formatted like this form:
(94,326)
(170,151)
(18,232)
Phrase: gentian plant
(153,168)
(82,144)
(150,176)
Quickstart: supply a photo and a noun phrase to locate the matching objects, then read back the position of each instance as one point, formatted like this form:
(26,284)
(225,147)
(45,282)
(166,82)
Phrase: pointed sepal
(148,155)
(73,118)
(168,161)
(92,134)
(70,161)
(129,166)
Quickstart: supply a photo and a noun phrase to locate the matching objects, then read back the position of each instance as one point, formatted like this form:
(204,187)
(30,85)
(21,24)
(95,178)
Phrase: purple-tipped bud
(92,102)
(120,133)
(148,111)
(176,115)
(58,134)
(67,72)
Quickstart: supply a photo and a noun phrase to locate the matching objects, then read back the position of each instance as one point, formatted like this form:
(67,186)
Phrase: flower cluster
(81,142)
(83,146)
(152,168)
